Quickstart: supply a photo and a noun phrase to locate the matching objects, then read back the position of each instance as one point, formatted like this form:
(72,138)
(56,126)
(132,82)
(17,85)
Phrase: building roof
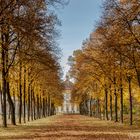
(68,84)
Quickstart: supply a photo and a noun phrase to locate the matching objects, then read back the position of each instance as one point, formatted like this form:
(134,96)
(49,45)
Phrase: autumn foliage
(31,74)
(106,70)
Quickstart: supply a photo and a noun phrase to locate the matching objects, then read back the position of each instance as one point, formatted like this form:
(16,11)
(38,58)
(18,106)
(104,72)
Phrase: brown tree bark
(90,107)
(12,106)
(29,103)
(34,105)
(4,90)
(24,97)
(106,104)
(111,113)
(20,92)
(116,101)
(130,101)
(37,106)
(32,118)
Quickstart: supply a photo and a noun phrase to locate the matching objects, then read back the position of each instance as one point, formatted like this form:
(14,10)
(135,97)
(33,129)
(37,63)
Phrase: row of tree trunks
(95,110)
(5,79)
(6,96)
(26,43)
(116,59)
(88,110)
(37,108)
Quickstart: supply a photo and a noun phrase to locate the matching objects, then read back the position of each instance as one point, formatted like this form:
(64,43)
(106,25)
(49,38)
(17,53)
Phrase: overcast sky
(78,21)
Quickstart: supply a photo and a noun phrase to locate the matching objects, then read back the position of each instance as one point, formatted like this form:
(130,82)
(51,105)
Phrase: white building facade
(68,106)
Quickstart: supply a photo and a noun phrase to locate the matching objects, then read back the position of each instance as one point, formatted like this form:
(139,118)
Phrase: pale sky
(78,19)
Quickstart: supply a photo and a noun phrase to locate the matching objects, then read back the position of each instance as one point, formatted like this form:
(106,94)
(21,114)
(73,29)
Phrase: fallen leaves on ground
(70,127)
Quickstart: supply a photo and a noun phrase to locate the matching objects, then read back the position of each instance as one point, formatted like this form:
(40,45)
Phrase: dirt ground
(70,127)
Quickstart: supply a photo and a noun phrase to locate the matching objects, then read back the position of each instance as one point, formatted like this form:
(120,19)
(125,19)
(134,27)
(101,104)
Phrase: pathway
(70,127)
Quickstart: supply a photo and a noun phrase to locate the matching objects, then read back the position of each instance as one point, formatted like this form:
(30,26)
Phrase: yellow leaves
(109,52)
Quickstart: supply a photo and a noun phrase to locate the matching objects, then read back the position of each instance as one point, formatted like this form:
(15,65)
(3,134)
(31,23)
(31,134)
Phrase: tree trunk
(1,99)
(116,101)
(111,114)
(98,108)
(106,104)
(9,112)
(116,107)
(32,104)
(3,63)
(100,111)
(130,101)
(29,103)
(48,105)
(37,106)
(14,98)
(20,92)
(24,97)
(90,107)
(43,108)
(121,91)
(103,111)
(121,104)
(12,106)
(40,101)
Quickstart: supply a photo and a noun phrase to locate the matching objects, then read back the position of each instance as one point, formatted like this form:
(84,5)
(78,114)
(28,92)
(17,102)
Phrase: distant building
(68,106)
